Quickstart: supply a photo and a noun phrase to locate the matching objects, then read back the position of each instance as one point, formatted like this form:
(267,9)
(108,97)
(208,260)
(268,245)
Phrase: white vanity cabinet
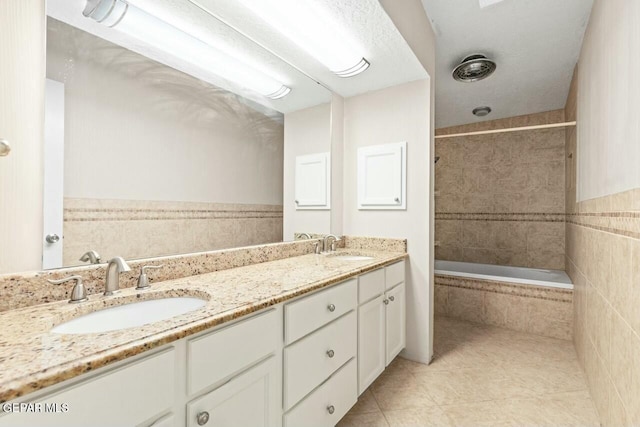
(228,376)
(320,370)
(381,321)
(128,395)
(301,363)
(242,364)
(249,399)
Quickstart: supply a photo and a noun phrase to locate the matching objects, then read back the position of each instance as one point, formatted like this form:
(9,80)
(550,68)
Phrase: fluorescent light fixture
(141,25)
(487,3)
(312,28)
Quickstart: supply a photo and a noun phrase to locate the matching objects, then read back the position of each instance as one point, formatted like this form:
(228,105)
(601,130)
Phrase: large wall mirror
(167,132)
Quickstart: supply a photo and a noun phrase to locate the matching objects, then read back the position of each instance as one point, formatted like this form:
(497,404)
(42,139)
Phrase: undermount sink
(129,315)
(352,257)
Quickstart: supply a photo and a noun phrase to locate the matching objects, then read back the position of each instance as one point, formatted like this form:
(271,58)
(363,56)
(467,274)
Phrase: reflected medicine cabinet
(313,181)
(382,177)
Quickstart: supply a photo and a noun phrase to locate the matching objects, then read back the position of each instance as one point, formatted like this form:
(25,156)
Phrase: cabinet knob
(331,308)
(392,298)
(202,418)
(5,147)
(397,199)
(331,409)
(297,202)
(52,238)
(330,353)
(385,301)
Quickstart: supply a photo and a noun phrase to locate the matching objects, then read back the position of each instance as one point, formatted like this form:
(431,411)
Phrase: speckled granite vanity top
(32,358)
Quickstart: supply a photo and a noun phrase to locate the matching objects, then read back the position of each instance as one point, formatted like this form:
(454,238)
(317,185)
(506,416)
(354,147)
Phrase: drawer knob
(392,298)
(385,301)
(331,308)
(202,418)
(331,409)
(331,353)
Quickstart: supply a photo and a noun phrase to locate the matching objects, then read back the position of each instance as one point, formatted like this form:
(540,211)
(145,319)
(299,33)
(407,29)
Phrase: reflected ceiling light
(141,25)
(314,30)
(487,3)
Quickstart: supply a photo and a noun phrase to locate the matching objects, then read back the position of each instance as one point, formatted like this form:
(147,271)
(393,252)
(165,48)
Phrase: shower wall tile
(504,240)
(502,177)
(603,261)
(140,229)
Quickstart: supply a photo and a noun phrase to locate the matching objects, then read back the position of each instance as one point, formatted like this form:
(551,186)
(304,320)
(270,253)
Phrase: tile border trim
(489,216)
(513,289)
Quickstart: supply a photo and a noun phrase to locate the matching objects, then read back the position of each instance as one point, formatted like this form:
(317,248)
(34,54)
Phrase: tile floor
(481,376)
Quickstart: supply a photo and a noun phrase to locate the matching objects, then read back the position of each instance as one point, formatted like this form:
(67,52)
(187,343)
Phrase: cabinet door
(250,399)
(371,342)
(382,178)
(123,397)
(395,323)
(313,181)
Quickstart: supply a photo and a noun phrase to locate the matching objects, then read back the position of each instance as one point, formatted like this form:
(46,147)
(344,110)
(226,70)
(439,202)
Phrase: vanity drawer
(370,285)
(220,354)
(340,392)
(310,313)
(394,274)
(307,363)
(125,396)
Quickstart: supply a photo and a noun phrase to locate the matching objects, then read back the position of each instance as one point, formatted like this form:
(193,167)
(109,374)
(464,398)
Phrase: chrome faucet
(91,257)
(303,236)
(331,248)
(116,266)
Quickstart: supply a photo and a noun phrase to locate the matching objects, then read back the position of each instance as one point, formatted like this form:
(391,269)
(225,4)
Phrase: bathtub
(499,273)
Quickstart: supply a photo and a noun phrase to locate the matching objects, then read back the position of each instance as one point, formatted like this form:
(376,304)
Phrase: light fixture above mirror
(310,26)
(145,27)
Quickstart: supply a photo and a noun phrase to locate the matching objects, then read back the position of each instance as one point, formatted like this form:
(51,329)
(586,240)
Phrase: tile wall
(540,311)
(603,261)
(142,229)
(500,197)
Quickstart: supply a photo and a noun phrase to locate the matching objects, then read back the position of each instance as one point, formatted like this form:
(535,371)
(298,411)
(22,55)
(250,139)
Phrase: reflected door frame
(53,199)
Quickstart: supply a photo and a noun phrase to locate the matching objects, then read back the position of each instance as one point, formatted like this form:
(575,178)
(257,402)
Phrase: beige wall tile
(550,318)
(520,172)
(441,299)
(478,255)
(141,229)
(466,304)
(632,295)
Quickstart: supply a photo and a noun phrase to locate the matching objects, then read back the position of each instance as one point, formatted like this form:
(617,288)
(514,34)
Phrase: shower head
(473,68)
(437,158)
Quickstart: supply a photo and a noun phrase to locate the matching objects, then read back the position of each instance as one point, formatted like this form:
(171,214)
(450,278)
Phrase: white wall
(138,130)
(413,23)
(337,165)
(306,131)
(399,113)
(22,72)
(608,128)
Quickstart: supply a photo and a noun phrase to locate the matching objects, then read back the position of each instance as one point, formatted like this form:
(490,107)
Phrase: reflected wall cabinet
(313,181)
(382,177)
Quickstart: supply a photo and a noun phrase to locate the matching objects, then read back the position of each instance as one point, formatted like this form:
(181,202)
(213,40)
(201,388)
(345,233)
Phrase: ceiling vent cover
(473,68)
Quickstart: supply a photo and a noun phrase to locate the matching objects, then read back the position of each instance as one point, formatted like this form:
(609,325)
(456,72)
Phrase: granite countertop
(33,358)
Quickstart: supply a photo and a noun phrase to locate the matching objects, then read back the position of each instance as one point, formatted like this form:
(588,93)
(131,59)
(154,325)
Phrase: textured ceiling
(392,60)
(228,25)
(536,44)
(182,14)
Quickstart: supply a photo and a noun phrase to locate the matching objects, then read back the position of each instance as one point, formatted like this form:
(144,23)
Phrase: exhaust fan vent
(473,68)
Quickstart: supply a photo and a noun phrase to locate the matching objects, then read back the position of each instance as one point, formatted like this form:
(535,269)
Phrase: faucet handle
(143,280)
(78,293)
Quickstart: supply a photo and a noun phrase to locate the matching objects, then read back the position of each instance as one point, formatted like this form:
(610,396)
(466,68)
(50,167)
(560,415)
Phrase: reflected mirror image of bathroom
(319,213)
